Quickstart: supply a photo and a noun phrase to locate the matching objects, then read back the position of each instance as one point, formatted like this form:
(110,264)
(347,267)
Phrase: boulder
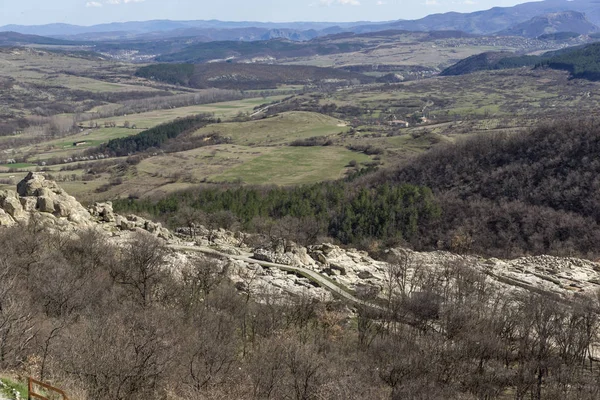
(365,275)
(126,225)
(165,234)
(152,227)
(77,217)
(327,248)
(45,204)
(4,194)
(29,204)
(338,268)
(119,221)
(6,219)
(270,256)
(62,209)
(299,255)
(103,211)
(33,183)
(44,192)
(318,256)
(11,204)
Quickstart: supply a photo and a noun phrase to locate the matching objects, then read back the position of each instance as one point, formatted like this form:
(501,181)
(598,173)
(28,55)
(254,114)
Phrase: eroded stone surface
(354,270)
(50,204)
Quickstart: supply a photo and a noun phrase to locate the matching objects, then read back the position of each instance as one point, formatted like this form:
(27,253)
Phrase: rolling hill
(582,62)
(18,39)
(280,48)
(479,62)
(535,191)
(245,76)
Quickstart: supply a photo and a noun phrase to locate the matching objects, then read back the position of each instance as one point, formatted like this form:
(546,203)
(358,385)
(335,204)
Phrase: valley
(206,209)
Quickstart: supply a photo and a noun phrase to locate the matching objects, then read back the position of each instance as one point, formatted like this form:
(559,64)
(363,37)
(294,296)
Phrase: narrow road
(261,110)
(310,274)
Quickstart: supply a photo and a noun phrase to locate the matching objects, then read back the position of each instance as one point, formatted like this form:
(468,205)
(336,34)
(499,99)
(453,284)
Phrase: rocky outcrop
(273,283)
(359,273)
(132,223)
(353,270)
(44,199)
(103,212)
(11,207)
(36,194)
(271,256)
(6,219)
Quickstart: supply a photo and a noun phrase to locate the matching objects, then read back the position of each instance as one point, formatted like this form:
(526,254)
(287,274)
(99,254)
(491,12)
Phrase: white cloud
(116,2)
(93,4)
(339,2)
(432,3)
(381,3)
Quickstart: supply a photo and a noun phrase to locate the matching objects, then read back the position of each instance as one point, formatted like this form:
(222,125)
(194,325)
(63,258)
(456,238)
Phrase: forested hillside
(581,62)
(530,192)
(504,195)
(120,316)
(17,39)
(203,52)
(341,210)
(245,76)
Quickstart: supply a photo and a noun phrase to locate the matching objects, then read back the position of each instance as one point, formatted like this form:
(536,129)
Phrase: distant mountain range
(528,19)
(18,39)
(212,30)
(499,18)
(566,21)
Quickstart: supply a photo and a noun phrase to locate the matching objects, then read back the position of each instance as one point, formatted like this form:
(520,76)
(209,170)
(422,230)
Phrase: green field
(278,129)
(259,151)
(64,147)
(16,166)
(293,166)
(227,109)
(46,69)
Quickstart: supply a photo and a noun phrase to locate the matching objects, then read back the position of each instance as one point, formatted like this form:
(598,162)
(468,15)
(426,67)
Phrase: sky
(90,12)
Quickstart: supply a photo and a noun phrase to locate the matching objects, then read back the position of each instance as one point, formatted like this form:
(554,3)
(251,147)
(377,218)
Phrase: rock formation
(36,195)
(44,199)
(354,271)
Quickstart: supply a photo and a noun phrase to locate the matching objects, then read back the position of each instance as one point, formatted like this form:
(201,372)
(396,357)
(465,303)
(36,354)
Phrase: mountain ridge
(565,21)
(10,38)
(480,22)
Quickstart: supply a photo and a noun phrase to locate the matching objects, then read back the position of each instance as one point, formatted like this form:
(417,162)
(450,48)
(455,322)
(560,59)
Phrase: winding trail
(310,274)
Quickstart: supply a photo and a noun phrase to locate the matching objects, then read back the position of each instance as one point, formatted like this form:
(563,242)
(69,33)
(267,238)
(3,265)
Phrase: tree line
(335,209)
(153,137)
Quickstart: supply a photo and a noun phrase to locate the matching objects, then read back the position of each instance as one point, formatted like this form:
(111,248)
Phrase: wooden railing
(32,384)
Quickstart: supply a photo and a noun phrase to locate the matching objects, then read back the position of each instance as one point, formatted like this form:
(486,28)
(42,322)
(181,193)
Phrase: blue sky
(89,12)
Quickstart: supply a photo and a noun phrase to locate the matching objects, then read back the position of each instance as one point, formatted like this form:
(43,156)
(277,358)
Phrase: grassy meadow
(260,146)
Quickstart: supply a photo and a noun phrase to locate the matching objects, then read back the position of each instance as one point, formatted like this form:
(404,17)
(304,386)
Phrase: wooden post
(31,394)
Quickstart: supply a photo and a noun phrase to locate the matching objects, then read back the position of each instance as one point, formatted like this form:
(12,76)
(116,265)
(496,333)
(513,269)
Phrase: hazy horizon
(93,12)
